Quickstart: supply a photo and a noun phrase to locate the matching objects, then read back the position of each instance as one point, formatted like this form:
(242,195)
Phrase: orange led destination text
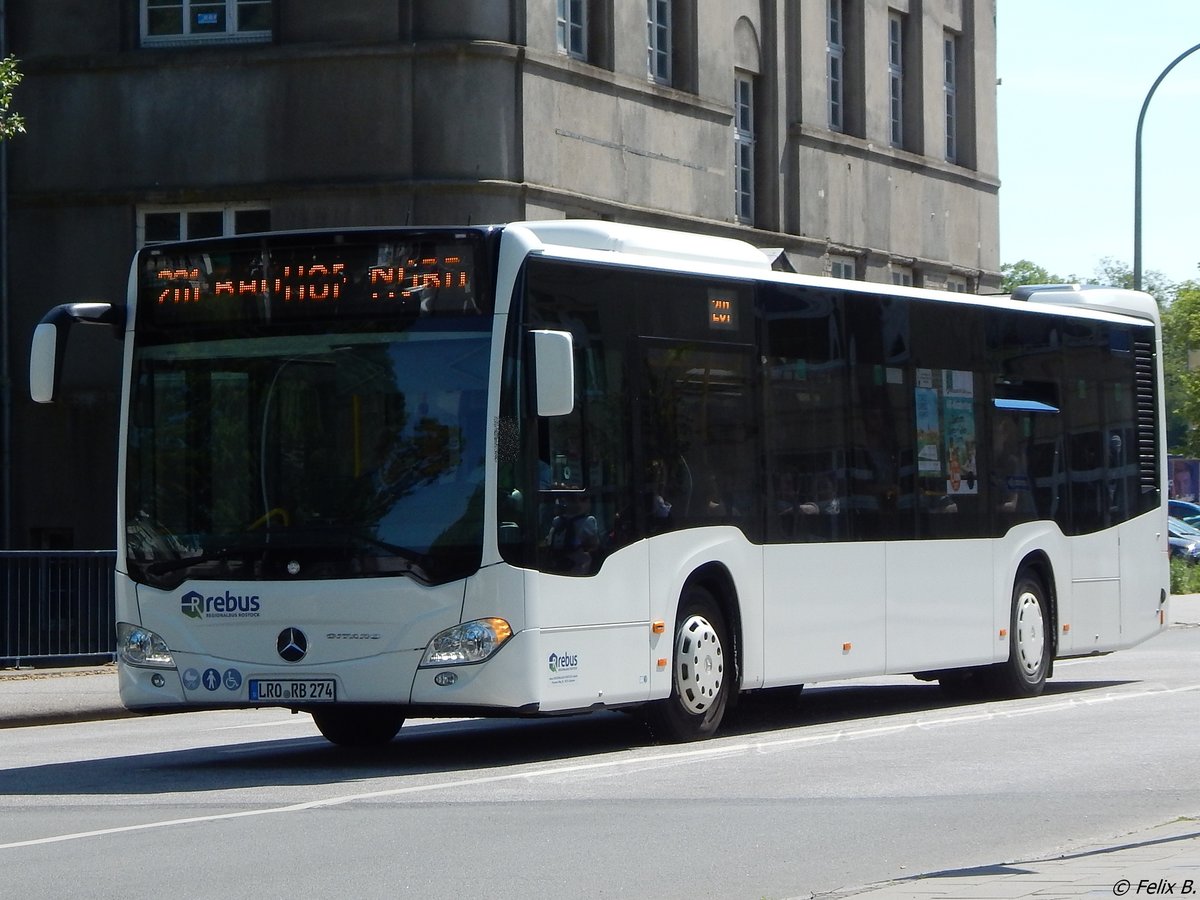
(392,282)
(316,282)
(321,282)
(721,313)
(180,293)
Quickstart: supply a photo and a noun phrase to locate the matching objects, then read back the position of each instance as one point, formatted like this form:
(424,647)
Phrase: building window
(158,225)
(178,21)
(956,283)
(902,275)
(835,74)
(571,28)
(841,267)
(896,77)
(743,148)
(950,69)
(658,40)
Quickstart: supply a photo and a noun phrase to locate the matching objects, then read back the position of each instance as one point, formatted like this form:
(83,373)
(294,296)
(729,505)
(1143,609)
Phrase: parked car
(1184,540)
(1182,509)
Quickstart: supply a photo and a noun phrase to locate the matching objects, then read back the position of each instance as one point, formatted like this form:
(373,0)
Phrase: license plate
(309,690)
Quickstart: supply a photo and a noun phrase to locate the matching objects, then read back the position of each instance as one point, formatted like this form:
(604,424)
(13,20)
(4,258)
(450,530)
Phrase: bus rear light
(470,642)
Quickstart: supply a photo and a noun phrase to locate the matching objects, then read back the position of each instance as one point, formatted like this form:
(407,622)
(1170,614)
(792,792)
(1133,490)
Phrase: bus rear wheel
(701,672)
(1029,643)
(360,725)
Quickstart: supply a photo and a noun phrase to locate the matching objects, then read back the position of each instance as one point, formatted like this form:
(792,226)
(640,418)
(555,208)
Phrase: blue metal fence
(56,607)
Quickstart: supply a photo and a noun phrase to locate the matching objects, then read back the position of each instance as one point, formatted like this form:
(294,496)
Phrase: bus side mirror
(50,342)
(554,371)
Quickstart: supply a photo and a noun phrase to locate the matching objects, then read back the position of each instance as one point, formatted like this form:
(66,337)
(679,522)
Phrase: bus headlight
(470,642)
(142,647)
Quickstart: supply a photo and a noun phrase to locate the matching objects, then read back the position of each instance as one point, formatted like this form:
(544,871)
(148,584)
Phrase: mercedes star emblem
(292,644)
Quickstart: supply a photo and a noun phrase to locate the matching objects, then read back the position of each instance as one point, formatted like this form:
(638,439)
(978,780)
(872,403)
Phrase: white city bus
(553,467)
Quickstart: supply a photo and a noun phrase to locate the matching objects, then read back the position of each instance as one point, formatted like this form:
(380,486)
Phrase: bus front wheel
(701,671)
(1029,642)
(358,726)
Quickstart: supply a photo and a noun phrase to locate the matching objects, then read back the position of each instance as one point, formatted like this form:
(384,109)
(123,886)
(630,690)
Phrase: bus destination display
(232,280)
(722,312)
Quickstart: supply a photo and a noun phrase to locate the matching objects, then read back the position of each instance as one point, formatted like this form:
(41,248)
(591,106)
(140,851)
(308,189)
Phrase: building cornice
(596,78)
(223,55)
(848,145)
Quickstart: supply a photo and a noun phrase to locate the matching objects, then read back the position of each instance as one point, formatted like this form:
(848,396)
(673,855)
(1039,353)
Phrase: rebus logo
(195,605)
(559,662)
(191,605)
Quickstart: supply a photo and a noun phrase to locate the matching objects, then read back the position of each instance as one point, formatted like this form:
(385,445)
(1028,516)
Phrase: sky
(1072,78)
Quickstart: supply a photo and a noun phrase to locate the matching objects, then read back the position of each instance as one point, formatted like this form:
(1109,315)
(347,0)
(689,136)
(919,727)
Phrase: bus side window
(697,424)
(1012,492)
(562,467)
(1089,501)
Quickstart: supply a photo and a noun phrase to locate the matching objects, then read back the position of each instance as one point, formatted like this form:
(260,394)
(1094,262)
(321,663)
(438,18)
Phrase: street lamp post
(1137,170)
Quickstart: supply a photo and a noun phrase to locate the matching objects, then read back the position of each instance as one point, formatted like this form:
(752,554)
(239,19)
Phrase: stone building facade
(855,136)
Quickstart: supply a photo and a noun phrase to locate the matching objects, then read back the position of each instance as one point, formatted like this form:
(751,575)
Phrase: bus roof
(684,250)
(1118,300)
(655,243)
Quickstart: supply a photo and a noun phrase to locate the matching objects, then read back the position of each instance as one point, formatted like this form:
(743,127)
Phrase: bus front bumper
(504,681)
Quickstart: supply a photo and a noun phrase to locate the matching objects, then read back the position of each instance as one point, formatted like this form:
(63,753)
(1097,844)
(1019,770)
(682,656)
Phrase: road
(846,785)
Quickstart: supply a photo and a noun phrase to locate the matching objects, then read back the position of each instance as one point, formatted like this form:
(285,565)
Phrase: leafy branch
(11,123)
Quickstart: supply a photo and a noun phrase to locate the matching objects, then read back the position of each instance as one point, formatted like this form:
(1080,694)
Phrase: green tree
(11,123)
(1109,272)
(1024,272)
(1114,273)
(1181,342)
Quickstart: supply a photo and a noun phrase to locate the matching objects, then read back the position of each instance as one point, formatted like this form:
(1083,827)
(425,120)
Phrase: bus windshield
(309,456)
(307,420)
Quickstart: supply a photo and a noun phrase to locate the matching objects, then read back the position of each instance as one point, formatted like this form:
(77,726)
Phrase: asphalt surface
(1162,861)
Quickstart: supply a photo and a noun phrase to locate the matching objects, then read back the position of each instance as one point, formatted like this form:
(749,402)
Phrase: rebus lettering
(231,603)
(220,606)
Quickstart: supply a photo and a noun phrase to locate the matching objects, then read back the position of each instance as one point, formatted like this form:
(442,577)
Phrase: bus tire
(1029,644)
(358,725)
(701,671)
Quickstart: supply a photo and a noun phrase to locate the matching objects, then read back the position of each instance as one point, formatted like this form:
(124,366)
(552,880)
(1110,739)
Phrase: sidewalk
(1161,861)
(55,696)
(1164,860)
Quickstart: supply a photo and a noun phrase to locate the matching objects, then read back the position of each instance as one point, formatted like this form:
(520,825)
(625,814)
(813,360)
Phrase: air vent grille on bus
(1147,415)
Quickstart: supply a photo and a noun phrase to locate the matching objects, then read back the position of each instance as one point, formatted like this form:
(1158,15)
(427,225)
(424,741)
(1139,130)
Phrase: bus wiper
(166,566)
(413,562)
(168,574)
(157,571)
